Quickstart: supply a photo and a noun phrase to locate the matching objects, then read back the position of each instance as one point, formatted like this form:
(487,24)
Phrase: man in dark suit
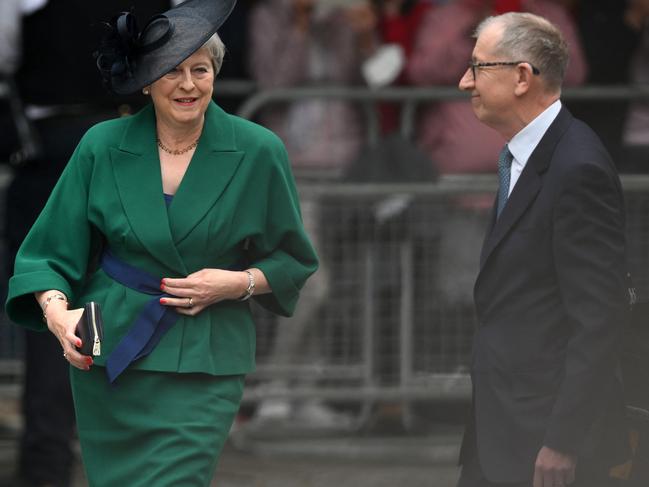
(550,293)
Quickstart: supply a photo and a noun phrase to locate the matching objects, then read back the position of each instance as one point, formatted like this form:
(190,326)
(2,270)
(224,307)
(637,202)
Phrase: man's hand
(553,468)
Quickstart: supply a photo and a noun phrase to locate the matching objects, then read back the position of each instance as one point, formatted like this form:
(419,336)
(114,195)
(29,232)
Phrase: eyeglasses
(473,66)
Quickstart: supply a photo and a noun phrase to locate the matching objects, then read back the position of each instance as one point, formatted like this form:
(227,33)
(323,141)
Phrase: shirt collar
(524,142)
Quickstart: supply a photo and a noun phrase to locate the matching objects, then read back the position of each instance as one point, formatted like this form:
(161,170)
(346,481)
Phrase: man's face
(492,88)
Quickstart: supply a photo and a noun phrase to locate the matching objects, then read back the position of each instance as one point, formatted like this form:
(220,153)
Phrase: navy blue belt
(152,322)
(150,325)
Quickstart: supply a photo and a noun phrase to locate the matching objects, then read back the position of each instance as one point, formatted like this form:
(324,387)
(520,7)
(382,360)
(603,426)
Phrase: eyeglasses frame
(473,66)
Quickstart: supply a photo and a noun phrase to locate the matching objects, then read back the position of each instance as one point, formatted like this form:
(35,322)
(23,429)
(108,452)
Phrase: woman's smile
(186,102)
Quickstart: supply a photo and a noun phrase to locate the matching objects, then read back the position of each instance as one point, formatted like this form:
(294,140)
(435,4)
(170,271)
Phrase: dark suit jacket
(550,299)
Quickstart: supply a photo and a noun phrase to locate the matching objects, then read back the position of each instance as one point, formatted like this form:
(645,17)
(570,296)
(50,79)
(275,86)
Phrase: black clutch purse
(91,330)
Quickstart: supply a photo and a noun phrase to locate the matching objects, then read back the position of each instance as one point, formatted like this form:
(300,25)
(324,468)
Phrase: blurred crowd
(55,94)
(359,43)
(426,43)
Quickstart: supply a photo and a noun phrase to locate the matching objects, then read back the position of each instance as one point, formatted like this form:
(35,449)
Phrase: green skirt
(153,428)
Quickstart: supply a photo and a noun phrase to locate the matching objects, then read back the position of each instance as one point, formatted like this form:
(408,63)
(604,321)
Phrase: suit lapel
(490,227)
(527,186)
(525,191)
(212,167)
(137,174)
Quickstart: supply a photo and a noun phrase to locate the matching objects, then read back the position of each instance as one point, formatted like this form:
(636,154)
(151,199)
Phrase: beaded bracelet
(47,300)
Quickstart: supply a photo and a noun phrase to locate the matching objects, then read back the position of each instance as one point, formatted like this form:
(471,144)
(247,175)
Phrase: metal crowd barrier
(397,322)
(410,98)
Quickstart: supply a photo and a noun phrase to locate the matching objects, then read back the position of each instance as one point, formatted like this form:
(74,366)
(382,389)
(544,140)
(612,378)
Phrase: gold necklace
(176,152)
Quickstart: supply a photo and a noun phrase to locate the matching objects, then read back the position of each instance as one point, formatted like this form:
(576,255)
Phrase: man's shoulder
(572,137)
(582,129)
(579,148)
(580,141)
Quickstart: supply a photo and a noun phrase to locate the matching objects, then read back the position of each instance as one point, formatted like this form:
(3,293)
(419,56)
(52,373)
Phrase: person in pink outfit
(309,43)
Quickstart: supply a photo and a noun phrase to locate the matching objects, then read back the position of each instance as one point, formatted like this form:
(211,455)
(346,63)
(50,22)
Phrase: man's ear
(524,79)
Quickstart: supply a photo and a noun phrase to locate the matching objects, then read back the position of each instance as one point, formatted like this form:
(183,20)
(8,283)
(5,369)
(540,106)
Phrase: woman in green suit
(170,219)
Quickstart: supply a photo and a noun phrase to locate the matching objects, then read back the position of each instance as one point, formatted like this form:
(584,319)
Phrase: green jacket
(237,199)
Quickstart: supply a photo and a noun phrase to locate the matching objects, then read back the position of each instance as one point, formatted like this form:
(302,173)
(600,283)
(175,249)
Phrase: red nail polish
(89,361)
(162,286)
(79,343)
(163,301)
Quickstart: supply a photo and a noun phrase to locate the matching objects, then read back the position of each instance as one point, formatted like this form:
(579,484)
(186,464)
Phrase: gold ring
(191,302)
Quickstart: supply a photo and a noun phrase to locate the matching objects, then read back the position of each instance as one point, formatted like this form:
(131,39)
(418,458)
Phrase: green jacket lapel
(137,174)
(212,167)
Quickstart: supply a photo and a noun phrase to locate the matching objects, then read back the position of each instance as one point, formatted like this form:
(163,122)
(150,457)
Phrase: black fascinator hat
(129,59)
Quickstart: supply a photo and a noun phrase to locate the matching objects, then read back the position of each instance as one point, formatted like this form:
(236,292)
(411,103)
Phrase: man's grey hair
(216,48)
(528,37)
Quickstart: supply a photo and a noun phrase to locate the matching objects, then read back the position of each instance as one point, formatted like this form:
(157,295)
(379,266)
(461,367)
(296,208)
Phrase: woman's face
(182,95)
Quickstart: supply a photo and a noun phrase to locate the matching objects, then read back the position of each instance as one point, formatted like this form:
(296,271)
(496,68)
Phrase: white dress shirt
(524,142)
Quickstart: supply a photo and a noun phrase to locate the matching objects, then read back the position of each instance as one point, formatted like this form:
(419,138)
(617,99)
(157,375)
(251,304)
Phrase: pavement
(380,454)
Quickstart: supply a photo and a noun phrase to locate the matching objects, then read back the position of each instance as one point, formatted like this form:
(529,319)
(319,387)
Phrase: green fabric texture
(153,429)
(237,199)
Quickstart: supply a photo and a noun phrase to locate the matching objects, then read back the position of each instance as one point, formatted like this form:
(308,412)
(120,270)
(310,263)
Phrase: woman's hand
(62,323)
(197,291)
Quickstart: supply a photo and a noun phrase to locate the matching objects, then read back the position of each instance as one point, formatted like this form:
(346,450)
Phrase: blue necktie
(504,173)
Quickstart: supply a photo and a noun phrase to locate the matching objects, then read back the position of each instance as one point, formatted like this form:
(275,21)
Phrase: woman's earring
(145,91)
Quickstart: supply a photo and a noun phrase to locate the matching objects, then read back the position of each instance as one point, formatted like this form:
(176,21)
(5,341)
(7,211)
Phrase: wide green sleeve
(282,251)
(54,255)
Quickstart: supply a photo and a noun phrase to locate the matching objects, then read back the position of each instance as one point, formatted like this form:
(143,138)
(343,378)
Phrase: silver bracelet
(47,300)
(250,290)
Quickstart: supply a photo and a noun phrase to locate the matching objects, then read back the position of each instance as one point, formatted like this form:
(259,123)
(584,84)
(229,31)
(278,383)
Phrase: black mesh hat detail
(129,59)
